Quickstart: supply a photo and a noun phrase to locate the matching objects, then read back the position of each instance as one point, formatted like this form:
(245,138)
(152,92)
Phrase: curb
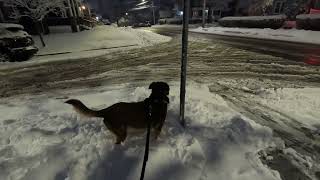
(68,52)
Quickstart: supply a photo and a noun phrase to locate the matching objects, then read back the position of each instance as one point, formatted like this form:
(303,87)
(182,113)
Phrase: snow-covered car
(15,44)
(105,21)
(141,24)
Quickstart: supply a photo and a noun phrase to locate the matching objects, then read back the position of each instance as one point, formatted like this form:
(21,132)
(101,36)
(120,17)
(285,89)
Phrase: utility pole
(184,58)
(1,15)
(153,13)
(204,14)
(73,22)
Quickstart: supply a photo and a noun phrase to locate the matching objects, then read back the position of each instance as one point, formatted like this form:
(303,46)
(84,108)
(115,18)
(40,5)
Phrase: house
(216,9)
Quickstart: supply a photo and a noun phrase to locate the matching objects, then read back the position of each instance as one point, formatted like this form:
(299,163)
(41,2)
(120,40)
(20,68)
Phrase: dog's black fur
(122,115)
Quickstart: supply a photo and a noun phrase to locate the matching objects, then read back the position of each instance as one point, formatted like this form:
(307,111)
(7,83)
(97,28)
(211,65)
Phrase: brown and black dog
(122,115)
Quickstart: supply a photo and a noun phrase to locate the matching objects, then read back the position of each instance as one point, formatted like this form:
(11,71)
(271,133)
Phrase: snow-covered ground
(43,138)
(61,44)
(60,41)
(303,105)
(292,35)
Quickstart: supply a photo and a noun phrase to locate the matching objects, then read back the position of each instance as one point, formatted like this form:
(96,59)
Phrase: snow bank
(43,138)
(308,16)
(255,18)
(100,37)
(293,35)
(308,22)
(273,22)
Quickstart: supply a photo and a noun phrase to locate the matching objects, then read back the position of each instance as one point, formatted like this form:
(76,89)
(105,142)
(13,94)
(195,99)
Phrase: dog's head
(160,88)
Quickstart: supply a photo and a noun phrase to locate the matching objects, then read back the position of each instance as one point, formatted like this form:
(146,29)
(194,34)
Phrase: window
(279,7)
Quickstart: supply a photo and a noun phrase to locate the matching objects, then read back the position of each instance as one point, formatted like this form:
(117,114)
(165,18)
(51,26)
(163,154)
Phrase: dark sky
(107,7)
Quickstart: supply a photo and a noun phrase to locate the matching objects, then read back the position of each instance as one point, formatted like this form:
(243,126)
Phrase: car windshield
(160,89)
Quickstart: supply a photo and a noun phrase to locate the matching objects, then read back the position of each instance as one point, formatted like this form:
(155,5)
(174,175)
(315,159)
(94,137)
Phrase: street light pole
(204,14)
(184,59)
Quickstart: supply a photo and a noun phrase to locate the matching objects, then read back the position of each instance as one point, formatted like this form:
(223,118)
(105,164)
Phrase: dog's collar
(164,100)
(157,100)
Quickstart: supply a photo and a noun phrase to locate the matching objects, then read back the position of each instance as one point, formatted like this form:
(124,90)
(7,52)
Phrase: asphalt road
(288,50)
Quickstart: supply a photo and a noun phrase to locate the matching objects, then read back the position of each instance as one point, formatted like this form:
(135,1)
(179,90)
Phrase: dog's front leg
(157,129)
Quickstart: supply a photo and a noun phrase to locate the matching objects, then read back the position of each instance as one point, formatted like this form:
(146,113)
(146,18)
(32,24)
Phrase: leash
(146,151)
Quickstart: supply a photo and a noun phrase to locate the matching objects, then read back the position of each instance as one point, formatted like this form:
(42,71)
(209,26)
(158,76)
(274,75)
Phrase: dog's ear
(152,85)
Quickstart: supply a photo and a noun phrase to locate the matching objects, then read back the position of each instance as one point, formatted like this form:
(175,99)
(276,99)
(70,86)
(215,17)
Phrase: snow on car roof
(10,25)
(6,31)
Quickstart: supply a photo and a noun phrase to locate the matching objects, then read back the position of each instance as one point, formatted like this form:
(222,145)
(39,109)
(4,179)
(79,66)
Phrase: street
(227,66)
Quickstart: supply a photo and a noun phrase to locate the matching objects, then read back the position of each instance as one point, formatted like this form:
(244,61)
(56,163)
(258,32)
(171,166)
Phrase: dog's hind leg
(121,134)
(114,131)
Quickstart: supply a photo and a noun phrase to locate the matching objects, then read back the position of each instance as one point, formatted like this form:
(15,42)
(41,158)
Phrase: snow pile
(100,37)
(43,138)
(255,18)
(308,16)
(293,35)
(300,104)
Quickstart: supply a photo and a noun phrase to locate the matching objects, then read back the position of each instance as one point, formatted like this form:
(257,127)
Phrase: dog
(123,115)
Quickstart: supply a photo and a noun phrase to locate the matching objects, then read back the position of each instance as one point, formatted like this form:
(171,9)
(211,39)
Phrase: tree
(36,10)
(259,7)
(295,7)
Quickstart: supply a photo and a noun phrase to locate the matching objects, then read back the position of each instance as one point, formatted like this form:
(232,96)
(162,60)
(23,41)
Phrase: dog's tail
(83,109)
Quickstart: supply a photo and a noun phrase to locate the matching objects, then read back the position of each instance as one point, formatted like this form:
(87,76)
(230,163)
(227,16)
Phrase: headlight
(29,41)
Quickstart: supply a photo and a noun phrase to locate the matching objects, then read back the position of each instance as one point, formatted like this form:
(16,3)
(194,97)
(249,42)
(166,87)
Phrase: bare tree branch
(35,9)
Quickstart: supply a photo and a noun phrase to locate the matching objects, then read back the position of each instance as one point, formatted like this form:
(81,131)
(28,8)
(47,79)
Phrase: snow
(43,138)
(292,35)
(300,104)
(8,30)
(254,18)
(63,45)
(308,16)
(101,37)
(11,25)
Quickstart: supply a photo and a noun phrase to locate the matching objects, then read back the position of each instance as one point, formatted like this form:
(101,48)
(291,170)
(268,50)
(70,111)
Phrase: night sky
(107,7)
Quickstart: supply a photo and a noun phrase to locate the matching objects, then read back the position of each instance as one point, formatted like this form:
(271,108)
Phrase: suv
(15,44)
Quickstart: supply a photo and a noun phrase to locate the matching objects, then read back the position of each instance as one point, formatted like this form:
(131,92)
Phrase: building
(216,9)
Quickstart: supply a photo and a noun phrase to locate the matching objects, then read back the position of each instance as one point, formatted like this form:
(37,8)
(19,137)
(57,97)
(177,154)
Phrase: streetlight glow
(83,7)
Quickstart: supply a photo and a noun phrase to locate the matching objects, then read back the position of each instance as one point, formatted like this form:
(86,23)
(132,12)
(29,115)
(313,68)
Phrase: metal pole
(204,13)
(184,59)
(153,14)
(1,15)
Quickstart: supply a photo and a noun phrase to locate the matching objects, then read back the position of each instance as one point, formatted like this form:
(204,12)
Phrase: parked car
(105,21)
(15,43)
(141,24)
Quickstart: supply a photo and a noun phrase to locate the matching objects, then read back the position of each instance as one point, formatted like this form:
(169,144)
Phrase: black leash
(146,151)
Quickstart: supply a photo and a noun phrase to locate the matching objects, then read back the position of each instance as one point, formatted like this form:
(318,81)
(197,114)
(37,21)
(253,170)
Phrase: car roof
(11,26)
